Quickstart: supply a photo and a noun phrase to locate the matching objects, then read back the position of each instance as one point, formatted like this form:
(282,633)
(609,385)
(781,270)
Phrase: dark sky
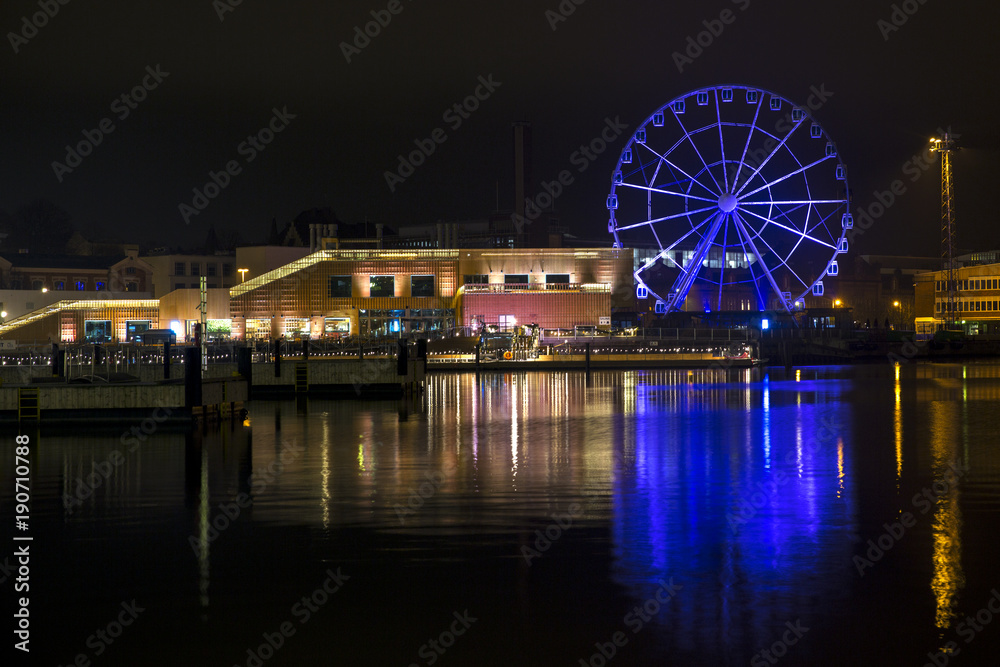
(891,91)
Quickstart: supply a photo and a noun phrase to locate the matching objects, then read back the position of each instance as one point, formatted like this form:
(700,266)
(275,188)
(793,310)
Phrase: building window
(130,270)
(339,287)
(515,278)
(100,286)
(131,287)
(36,284)
(178,268)
(212,268)
(507,322)
(382,286)
(178,285)
(80,286)
(560,278)
(421,285)
(61,285)
(937,307)
(476,279)
(195,269)
(227,269)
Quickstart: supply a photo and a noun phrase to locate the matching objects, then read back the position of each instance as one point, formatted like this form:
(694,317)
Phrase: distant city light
(764,324)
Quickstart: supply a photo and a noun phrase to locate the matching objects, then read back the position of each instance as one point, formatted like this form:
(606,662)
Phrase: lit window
(80,286)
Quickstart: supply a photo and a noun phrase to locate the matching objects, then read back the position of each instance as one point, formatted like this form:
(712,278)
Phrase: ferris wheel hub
(728,202)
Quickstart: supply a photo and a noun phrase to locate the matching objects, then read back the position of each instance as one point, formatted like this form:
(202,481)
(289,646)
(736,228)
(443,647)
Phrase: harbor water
(843,515)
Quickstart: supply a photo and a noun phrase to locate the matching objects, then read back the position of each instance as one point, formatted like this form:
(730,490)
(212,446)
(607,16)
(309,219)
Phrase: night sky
(228,68)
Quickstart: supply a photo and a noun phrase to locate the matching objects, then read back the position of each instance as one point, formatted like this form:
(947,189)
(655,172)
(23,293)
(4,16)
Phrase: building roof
(70,262)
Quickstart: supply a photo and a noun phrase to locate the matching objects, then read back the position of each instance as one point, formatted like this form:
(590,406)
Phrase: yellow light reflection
(898,429)
(840,467)
(513,426)
(948,578)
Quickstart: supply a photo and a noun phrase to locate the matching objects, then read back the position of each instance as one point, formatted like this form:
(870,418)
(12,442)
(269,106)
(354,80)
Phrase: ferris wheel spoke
(682,285)
(668,192)
(669,217)
(785,177)
(782,260)
(674,167)
(722,145)
(698,153)
(804,235)
(763,265)
(746,147)
(663,253)
(773,152)
(791,202)
(722,264)
(761,302)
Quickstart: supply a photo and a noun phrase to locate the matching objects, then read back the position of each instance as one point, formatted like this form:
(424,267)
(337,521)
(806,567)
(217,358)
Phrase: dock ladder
(27,404)
(301,377)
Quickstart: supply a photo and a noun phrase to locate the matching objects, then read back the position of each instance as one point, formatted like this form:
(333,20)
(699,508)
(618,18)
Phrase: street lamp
(243,274)
(899,314)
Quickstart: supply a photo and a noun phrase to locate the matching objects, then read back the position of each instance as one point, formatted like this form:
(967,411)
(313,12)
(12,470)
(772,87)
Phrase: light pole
(899,314)
(243,274)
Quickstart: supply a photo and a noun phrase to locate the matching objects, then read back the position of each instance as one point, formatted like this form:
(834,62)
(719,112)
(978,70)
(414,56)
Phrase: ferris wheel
(733,198)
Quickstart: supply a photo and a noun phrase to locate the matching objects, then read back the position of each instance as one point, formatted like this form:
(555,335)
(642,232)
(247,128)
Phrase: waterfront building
(977,298)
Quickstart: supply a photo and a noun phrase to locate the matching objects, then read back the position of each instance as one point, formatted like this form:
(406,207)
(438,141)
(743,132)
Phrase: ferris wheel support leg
(684,281)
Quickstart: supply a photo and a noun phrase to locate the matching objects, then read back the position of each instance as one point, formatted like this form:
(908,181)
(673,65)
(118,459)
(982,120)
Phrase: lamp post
(243,274)
(899,314)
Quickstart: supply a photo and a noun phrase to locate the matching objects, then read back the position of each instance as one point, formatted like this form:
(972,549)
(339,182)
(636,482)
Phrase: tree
(39,226)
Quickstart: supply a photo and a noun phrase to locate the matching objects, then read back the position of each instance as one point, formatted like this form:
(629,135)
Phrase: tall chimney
(522,166)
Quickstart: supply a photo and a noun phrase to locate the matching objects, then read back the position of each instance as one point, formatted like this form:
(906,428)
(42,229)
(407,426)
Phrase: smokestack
(522,165)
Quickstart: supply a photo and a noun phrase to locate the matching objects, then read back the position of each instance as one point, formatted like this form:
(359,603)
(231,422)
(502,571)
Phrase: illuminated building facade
(977,300)
(371,293)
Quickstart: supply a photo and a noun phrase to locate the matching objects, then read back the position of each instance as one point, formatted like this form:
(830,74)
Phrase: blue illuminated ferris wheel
(734,198)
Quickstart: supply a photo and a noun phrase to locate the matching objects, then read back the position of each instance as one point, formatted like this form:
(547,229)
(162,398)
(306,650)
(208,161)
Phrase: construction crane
(946,146)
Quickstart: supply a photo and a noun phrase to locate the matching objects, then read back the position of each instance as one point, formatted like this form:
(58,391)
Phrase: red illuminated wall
(550,310)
